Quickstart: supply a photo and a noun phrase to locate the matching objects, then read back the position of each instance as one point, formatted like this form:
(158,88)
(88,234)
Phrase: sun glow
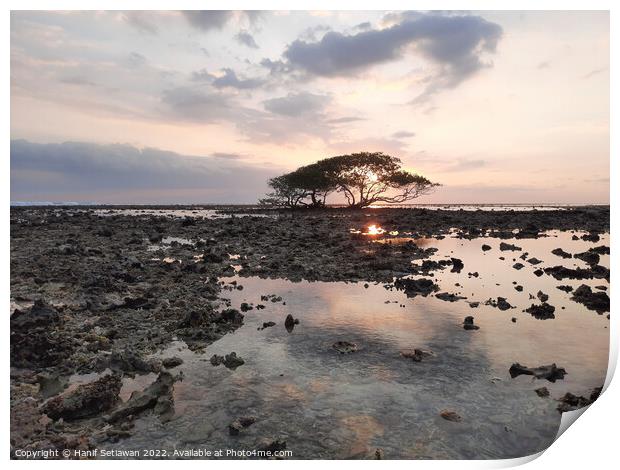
(374,230)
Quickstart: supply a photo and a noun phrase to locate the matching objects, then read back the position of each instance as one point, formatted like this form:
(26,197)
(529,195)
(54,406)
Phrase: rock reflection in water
(330,405)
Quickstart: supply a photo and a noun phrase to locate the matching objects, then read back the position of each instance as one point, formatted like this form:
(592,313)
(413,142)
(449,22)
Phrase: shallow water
(328,405)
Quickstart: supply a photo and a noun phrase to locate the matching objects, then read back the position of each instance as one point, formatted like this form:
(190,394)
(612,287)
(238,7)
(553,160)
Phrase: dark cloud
(246,39)
(403,134)
(116,173)
(205,20)
(297,104)
(456,44)
(230,80)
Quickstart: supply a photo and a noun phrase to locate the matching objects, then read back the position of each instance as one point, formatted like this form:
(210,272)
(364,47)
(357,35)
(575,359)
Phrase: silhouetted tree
(364,178)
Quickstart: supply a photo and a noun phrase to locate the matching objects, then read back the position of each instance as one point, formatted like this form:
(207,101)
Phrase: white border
(591,443)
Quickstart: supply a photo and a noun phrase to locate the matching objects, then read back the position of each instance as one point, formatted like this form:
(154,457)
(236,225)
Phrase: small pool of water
(330,405)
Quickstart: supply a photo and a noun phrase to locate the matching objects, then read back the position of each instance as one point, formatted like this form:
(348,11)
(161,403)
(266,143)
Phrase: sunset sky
(182,107)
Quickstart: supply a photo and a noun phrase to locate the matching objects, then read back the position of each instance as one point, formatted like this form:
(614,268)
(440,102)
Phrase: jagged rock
(416,354)
(157,396)
(235,428)
(230,361)
(550,372)
(542,392)
(509,247)
(39,315)
(485,247)
(457,265)
(345,347)
(561,253)
(449,297)
(597,301)
(468,324)
(171,362)
(543,311)
(518,266)
(86,400)
(542,296)
(413,287)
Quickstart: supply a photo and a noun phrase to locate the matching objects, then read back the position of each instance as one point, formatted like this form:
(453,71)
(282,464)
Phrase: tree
(367,178)
(364,178)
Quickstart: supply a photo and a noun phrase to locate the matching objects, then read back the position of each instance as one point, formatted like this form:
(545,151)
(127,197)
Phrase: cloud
(246,39)
(345,120)
(135,59)
(205,20)
(116,173)
(595,72)
(230,80)
(464,164)
(141,21)
(297,104)
(227,156)
(403,134)
(197,104)
(455,44)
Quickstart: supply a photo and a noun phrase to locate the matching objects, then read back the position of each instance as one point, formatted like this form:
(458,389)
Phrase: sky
(205,106)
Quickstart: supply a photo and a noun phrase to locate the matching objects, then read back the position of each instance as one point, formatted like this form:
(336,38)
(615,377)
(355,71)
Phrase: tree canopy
(364,178)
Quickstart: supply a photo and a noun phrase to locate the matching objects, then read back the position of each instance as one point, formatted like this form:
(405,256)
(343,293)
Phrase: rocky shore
(97,292)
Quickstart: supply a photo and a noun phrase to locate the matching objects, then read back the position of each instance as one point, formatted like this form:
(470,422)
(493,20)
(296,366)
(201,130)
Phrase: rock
(413,287)
(449,415)
(591,237)
(513,319)
(508,247)
(570,402)
(267,324)
(457,265)
(518,266)
(501,303)
(230,361)
(542,392)
(539,272)
(235,428)
(561,272)
(565,288)
(542,296)
(416,354)
(449,297)
(232,315)
(519,288)
(245,307)
(157,396)
(561,253)
(171,362)
(543,311)
(597,301)
(474,304)
(130,361)
(534,261)
(379,454)
(486,247)
(589,257)
(86,400)
(345,347)
(273,445)
(290,322)
(39,315)
(550,372)
(468,324)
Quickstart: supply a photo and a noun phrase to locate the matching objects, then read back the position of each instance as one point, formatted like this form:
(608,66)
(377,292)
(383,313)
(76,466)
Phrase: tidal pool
(330,405)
